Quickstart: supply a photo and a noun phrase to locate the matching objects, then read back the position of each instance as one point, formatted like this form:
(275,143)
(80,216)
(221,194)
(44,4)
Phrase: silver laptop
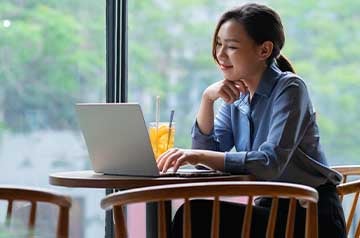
(118,142)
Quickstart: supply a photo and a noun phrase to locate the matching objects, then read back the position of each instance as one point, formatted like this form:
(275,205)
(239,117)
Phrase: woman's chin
(228,76)
(231,77)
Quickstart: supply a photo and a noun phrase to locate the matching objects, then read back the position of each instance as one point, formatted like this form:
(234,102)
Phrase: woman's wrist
(207,98)
(212,159)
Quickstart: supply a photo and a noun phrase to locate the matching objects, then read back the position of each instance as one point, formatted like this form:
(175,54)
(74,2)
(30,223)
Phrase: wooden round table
(90,179)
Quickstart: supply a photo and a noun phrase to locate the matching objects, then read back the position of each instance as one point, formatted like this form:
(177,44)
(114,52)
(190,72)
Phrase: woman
(269,119)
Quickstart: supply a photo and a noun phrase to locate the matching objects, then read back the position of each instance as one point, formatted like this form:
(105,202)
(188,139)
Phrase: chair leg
(63,223)
(119,218)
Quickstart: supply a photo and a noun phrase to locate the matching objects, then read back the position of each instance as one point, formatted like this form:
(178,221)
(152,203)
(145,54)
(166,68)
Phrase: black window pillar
(116,51)
(116,69)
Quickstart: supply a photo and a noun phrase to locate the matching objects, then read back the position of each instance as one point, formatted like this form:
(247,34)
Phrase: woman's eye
(232,47)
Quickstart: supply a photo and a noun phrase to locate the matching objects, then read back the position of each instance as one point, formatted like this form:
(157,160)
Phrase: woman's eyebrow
(232,40)
(228,40)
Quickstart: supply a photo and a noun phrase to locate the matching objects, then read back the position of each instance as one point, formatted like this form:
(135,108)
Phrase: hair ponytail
(284,64)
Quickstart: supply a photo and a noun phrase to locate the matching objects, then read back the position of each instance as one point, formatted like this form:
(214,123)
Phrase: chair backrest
(353,189)
(35,195)
(163,193)
(347,170)
(350,189)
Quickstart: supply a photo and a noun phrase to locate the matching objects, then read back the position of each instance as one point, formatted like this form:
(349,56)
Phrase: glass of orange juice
(162,138)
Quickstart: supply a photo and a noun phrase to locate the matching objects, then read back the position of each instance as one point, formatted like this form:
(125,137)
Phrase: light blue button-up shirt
(275,134)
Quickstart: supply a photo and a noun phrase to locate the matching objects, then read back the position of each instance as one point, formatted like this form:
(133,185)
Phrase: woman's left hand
(176,157)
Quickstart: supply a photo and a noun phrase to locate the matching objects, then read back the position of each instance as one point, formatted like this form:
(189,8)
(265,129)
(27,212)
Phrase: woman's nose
(221,53)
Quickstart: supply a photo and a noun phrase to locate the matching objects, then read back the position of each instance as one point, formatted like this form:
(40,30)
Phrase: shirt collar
(243,103)
(268,80)
(267,83)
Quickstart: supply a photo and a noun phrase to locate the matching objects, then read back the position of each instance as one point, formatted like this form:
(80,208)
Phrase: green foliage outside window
(170,56)
(47,62)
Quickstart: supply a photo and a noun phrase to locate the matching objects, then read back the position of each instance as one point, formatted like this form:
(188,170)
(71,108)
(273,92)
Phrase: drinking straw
(170,125)
(157,119)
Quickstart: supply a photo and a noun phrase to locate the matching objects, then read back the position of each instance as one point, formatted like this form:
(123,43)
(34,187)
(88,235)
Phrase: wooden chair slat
(311,226)
(290,223)
(120,223)
(247,218)
(32,216)
(357,231)
(63,224)
(352,212)
(272,218)
(162,220)
(187,219)
(215,223)
(9,212)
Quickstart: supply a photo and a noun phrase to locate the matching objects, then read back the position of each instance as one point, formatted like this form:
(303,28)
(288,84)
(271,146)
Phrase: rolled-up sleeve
(220,138)
(235,162)
(202,141)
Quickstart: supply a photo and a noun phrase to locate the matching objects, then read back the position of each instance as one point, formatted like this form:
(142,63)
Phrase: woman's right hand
(228,90)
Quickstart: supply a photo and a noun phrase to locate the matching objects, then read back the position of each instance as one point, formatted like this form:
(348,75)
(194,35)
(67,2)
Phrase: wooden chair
(353,189)
(350,189)
(347,170)
(32,195)
(160,194)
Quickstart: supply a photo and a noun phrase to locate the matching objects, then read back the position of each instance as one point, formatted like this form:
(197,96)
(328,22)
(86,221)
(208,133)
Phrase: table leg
(152,218)
(109,224)
(109,219)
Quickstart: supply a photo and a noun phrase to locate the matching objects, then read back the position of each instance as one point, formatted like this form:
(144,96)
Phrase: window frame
(116,69)
(116,51)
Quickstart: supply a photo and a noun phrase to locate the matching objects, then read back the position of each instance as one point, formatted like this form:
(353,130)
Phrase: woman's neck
(253,82)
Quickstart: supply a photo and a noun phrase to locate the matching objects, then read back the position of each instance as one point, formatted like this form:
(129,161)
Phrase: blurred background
(52,55)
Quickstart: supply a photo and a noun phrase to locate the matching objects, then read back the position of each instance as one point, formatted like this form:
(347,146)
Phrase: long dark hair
(262,24)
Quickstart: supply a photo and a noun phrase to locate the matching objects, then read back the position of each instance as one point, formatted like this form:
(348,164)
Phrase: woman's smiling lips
(225,67)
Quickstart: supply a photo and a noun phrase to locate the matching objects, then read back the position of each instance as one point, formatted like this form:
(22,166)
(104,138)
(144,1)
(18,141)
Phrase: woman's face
(236,52)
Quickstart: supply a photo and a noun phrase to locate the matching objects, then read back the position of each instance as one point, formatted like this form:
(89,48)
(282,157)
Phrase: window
(170,56)
(52,55)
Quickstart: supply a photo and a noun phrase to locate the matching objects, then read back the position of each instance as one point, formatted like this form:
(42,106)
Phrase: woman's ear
(265,50)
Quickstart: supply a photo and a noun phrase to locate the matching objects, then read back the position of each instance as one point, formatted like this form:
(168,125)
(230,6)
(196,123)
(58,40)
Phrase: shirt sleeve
(220,138)
(203,141)
(289,120)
